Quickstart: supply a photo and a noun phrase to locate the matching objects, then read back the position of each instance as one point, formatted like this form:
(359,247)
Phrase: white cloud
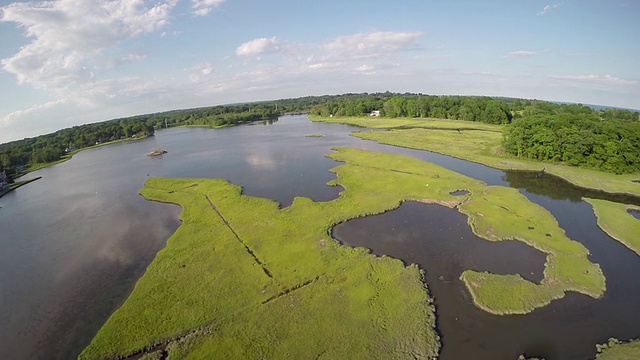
(365,68)
(602,79)
(549,8)
(203,7)
(259,47)
(522,54)
(201,71)
(68,37)
(125,59)
(373,44)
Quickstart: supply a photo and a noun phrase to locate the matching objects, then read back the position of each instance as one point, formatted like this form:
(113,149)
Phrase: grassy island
(480,143)
(244,278)
(615,220)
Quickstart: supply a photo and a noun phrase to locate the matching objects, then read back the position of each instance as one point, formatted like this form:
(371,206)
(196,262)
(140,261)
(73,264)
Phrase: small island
(157,152)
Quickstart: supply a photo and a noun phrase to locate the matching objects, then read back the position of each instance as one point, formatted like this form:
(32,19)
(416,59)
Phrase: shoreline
(626,184)
(315,276)
(614,219)
(16,185)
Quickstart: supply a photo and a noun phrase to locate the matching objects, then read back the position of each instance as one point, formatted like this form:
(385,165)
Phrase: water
(74,242)
(439,240)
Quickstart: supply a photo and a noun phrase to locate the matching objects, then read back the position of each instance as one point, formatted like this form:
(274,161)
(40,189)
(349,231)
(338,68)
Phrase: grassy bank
(69,155)
(615,220)
(499,213)
(479,143)
(618,350)
(242,278)
(16,185)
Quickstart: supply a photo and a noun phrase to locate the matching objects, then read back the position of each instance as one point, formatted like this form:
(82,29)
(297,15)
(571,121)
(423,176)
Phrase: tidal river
(75,242)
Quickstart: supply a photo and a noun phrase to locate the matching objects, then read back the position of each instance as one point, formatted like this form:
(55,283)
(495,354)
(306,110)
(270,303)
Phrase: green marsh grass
(477,142)
(617,350)
(251,280)
(616,221)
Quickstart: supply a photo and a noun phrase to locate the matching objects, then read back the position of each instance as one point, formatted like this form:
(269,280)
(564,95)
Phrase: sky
(71,62)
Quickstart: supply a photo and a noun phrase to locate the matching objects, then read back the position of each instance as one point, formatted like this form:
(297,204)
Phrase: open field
(481,143)
(243,278)
(616,221)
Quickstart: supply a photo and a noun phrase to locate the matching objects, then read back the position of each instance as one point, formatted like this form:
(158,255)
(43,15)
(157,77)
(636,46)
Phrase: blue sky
(72,62)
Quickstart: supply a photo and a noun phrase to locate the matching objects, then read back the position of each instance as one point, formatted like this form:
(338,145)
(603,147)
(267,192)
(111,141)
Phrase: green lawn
(242,278)
(616,221)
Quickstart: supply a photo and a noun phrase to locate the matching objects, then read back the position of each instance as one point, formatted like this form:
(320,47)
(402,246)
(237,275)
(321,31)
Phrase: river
(75,242)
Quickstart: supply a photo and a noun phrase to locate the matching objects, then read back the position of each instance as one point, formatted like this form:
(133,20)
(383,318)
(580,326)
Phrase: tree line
(585,140)
(569,133)
(17,156)
(482,109)
(573,134)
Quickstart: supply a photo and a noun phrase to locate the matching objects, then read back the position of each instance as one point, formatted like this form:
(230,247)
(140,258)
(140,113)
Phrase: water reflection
(74,243)
(542,183)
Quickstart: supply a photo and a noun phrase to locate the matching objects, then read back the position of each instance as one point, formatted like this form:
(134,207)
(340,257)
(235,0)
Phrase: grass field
(242,278)
(616,221)
(481,143)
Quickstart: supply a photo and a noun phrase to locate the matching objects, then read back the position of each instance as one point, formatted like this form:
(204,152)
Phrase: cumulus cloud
(259,47)
(201,71)
(548,8)
(203,7)
(68,36)
(522,54)
(373,44)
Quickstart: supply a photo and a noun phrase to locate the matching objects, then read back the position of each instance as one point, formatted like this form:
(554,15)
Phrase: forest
(584,140)
(570,133)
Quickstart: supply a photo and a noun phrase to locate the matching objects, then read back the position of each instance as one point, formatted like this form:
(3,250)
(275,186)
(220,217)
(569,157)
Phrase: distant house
(375,113)
(70,149)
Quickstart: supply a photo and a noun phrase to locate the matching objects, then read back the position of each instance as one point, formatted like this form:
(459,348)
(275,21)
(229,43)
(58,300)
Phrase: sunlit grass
(250,280)
(481,143)
(616,221)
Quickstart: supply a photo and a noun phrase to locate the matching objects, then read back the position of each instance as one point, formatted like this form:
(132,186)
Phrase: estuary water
(75,242)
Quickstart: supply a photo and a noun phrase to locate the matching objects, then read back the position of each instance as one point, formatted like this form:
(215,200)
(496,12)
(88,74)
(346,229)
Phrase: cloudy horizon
(72,62)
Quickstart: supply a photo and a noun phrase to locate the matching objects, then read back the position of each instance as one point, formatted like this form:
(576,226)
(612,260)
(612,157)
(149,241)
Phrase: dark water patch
(459,193)
(635,213)
(554,187)
(427,234)
(418,233)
